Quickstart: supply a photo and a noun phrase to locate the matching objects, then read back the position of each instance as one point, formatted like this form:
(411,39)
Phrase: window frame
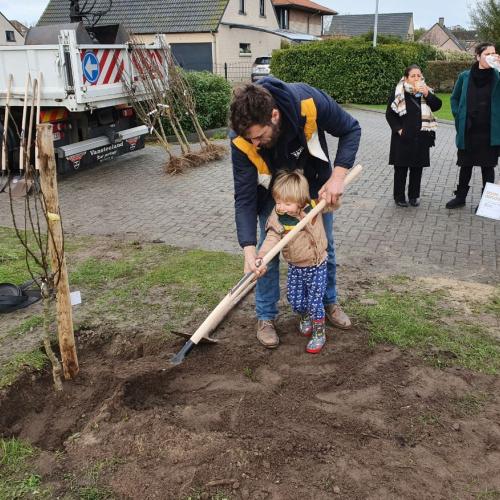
(242,7)
(284,18)
(262,8)
(246,54)
(9,33)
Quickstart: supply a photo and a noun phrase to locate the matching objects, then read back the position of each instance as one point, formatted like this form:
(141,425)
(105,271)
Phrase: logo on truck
(76,159)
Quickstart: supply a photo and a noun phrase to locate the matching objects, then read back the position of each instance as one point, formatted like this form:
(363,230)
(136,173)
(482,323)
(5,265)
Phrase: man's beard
(275,127)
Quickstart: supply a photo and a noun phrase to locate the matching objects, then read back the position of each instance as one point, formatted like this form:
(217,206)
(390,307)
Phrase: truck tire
(12,150)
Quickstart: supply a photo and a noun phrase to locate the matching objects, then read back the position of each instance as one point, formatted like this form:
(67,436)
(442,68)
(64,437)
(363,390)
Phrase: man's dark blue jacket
(291,151)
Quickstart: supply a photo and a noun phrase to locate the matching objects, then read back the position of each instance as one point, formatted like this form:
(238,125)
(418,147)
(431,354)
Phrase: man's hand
(252,262)
(333,189)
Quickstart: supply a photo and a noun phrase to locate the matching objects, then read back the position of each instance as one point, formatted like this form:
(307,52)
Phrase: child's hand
(260,268)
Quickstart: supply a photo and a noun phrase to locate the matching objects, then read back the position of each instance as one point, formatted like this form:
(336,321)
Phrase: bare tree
(39,230)
(35,241)
(485,17)
(161,96)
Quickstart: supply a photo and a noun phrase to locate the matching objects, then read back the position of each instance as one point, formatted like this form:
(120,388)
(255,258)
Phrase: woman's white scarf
(429,123)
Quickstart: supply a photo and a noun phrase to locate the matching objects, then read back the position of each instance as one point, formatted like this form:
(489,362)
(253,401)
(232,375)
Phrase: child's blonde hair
(291,186)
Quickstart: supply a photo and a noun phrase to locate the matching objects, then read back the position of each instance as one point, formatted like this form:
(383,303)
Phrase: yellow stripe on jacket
(307,110)
(263,172)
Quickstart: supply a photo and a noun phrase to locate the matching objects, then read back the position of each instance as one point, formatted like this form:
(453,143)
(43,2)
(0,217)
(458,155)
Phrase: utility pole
(375,27)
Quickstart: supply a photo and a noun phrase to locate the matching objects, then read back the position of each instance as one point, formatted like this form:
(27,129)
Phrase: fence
(233,72)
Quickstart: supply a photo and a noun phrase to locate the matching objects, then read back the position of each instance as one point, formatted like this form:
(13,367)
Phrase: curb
(192,137)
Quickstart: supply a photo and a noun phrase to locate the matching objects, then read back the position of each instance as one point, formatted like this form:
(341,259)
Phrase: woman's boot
(460,197)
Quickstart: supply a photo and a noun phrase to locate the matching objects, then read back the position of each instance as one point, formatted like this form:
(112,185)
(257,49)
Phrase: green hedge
(350,70)
(442,75)
(212,94)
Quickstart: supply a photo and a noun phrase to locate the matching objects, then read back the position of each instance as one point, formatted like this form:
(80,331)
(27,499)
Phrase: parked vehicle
(82,91)
(261,67)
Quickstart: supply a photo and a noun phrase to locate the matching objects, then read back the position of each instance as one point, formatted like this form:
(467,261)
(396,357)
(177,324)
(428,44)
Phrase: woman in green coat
(475,104)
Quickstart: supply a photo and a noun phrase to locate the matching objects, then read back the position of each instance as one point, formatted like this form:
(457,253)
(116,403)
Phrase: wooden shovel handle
(247,282)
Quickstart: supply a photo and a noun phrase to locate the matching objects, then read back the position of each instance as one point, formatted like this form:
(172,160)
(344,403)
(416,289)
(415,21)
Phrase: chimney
(441,21)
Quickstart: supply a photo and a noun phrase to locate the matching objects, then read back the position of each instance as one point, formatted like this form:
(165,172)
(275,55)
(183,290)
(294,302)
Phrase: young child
(306,254)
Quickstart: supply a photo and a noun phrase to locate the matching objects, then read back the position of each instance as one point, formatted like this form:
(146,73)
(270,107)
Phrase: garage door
(193,56)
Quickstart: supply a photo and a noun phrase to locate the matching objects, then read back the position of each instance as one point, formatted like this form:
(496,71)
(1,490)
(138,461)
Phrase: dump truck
(84,78)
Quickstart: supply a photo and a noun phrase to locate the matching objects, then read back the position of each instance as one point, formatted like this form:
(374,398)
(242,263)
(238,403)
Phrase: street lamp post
(375,27)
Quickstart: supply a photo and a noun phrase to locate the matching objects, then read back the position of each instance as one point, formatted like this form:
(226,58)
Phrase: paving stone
(133,196)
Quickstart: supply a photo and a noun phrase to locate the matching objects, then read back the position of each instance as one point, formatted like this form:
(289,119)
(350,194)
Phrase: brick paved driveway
(132,195)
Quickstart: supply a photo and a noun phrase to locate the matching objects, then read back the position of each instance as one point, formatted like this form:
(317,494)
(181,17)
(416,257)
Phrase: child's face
(287,207)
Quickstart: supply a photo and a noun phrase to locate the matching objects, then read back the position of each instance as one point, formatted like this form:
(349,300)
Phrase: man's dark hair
(479,49)
(252,105)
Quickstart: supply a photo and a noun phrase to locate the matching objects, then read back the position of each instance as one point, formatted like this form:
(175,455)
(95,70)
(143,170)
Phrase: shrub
(212,94)
(442,75)
(381,38)
(455,56)
(350,70)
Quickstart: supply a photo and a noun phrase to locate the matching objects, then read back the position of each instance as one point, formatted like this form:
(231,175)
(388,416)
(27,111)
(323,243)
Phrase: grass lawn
(444,113)
(127,279)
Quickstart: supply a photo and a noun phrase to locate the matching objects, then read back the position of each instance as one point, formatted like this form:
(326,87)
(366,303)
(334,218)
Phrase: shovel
(237,293)
(20,185)
(5,152)
(240,289)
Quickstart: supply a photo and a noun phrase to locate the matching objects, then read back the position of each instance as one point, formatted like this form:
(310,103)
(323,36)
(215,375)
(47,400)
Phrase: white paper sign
(76,298)
(489,206)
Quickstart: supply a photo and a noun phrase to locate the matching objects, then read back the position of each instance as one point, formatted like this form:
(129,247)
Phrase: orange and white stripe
(111,66)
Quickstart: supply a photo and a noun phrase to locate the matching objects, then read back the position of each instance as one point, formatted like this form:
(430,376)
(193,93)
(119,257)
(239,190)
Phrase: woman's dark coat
(411,148)
(458,101)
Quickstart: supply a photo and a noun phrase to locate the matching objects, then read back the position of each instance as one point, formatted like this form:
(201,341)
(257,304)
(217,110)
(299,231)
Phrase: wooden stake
(22,147)
(38,97)
(48,182)
(30,126)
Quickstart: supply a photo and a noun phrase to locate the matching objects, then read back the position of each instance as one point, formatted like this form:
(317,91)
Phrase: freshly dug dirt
(238,421)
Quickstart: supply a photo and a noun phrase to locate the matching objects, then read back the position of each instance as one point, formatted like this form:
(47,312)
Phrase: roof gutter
(283,34)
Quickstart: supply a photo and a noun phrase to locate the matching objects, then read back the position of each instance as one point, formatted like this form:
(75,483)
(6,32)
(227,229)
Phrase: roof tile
(142,16)
(397,24)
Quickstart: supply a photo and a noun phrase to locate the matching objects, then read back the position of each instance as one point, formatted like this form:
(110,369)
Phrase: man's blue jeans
(267,291)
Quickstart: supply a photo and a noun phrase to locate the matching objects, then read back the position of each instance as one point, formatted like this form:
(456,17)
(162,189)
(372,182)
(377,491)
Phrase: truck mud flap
(91,152)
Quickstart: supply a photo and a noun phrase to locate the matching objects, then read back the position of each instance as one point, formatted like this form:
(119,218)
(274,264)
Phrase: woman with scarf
(409,114)
(475,104)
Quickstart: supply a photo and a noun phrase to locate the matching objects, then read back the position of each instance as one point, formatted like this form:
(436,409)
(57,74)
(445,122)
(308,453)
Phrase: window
(283,18)
(245,49)
(262,10)
(242,7)
(9,36)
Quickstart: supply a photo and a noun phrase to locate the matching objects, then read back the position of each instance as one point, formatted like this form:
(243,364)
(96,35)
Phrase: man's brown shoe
(337,316)
(266,334)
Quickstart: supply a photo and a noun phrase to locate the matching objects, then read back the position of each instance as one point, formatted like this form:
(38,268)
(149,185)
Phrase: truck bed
(76,77)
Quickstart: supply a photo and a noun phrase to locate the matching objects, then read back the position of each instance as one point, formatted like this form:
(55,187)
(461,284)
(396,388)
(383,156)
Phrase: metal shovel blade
(178,358)
(20,186)
(187,336)
(4,182)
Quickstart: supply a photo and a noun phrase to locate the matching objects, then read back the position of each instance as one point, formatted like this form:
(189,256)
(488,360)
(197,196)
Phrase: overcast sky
(426,12)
